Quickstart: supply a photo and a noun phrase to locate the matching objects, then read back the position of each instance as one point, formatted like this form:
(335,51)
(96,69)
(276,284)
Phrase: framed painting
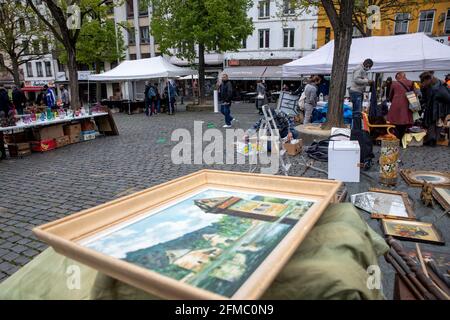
(415,178)
(209,235)
(385,204)
(442,196)
(412,231)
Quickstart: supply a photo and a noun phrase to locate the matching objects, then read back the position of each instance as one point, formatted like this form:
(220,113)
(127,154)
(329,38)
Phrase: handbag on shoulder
(414,104)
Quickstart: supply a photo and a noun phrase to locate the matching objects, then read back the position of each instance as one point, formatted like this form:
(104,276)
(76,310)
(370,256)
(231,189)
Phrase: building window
(145,55)
(288,38)
(447,23)
(26,47)
(264,9)
(401,23)
(264,38)
(39,70)
(61,67)
(36,48)
(288,7)
(45,48)
(327,35)
(22,26)
(29,70)
(426,21)
(244,44)
(145,35)
(143,8)
(130,9)
(131,37)
(133,56)
(48,69)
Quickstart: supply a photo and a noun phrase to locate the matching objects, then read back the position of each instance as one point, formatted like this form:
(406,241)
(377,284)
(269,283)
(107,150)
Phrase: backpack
(301,101)
(151,93)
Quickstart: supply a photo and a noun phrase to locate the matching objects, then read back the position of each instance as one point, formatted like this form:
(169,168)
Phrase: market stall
(46,131)
(410,52)
(135,71)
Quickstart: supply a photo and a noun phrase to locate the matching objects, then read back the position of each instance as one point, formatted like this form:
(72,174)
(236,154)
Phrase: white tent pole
(89,92)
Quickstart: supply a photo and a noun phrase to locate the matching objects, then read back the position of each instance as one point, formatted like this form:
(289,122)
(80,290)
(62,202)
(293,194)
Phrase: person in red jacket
(399,113)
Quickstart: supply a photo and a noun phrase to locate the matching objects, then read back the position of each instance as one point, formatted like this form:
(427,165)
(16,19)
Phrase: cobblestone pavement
(44,187)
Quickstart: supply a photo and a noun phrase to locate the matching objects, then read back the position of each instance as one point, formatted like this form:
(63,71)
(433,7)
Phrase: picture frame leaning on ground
(233,233)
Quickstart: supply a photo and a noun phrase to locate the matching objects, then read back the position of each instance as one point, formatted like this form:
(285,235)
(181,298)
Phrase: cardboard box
(344,161)
(87,125)
(43,145)
(74,138)
(62,141)
(295,148)
(19,149)
(72,129)
(48,133)
(17,137)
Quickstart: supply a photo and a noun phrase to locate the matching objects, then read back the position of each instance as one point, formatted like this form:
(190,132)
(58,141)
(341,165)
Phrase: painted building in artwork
(238,207)
(431,17)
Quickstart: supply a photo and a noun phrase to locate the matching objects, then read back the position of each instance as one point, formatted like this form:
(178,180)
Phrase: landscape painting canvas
(213,240)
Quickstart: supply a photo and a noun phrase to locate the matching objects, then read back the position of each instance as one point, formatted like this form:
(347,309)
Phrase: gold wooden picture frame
(413,178)
(412,231)
(442,196)
(209,235)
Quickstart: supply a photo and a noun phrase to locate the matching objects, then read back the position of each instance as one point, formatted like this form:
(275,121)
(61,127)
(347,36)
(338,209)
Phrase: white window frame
(266,4)
(432,23)
(447,20)
(29,67)
(407,24)
(39,68)
(266,33)
(49,64)
(290,36)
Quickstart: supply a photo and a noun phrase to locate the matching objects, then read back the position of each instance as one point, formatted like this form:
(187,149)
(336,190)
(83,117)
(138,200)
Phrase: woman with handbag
(400,114)
(261,98)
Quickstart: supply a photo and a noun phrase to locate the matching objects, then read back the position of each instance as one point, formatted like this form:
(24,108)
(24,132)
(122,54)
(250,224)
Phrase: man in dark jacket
(5,103)
(19,99)
(225,97)
(437,106)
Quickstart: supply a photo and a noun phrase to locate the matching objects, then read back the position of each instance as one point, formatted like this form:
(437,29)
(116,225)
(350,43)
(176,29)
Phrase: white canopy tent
(410,52)
(151,68)
(144,69)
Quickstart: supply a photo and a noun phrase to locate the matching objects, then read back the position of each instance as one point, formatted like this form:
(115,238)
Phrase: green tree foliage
(194,27)
(97,43)
(19,30)
(65,19)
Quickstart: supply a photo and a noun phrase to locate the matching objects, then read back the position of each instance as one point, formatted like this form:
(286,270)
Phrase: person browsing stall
(360,81)
(399,113)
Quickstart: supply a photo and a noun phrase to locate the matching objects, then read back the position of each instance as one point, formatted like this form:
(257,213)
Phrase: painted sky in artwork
(170,224)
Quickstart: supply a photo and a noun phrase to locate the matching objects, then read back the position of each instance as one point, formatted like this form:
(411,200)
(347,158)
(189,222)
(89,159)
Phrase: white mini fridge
(344,161)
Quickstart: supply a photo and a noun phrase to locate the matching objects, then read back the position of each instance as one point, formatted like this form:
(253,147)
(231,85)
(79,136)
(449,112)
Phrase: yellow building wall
(388,25)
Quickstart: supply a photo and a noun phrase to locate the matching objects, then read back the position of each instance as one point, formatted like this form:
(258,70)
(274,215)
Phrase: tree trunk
(201,73)
(16,72)
(73,79)
(343,31)
(98,85)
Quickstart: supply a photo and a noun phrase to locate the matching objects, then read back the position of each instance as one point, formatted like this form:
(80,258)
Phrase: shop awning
(245,73)
(258,73)
(276,73)
(32,89)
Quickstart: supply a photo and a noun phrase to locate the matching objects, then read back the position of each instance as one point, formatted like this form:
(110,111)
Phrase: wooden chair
(368,127)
